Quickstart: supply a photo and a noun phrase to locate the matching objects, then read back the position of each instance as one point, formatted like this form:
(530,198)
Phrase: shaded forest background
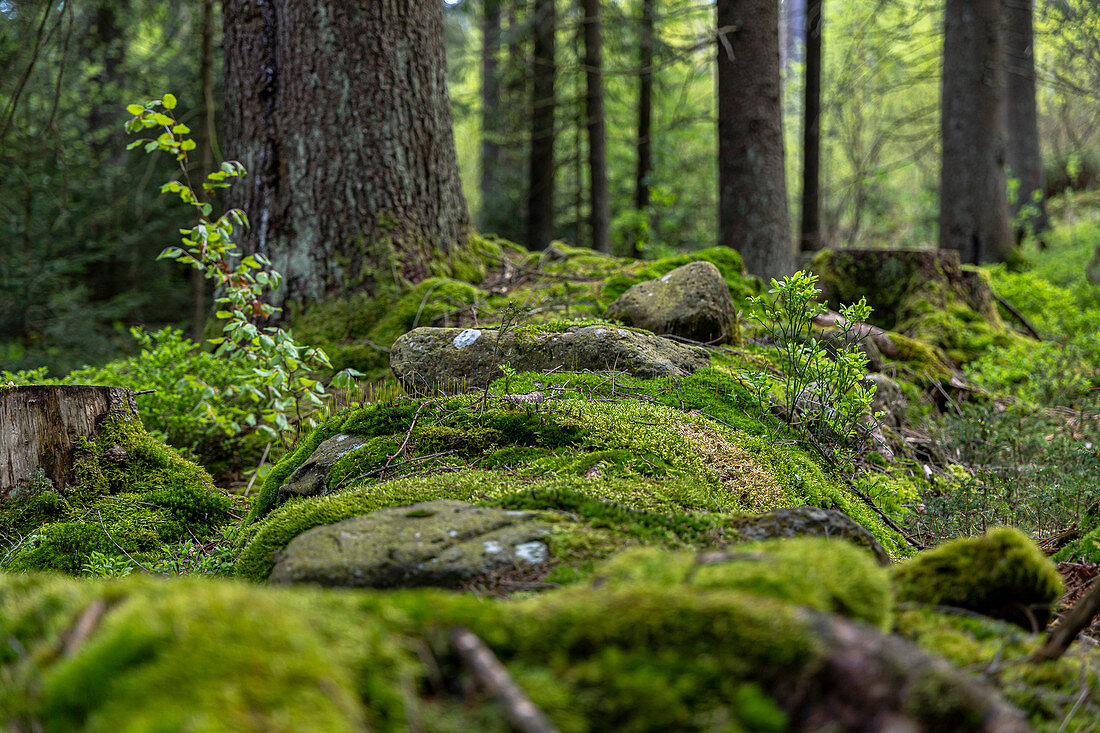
(81,222)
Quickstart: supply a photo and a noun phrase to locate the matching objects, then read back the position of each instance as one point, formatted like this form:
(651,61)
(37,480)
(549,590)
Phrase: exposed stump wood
(40,425)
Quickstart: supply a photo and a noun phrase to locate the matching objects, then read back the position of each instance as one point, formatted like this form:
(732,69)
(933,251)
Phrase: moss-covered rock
(133,495)
(645,471)
(691,302)
(436,543)
(638,655)
(828,575)
(1001,574)
(427,359)
(809,521)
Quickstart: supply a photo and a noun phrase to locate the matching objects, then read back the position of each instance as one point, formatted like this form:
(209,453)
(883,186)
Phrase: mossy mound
(923,294)
(827,575)
(561,282)
(133,497)
(1001,574)
(651,468)
(1001,652)
(642,655)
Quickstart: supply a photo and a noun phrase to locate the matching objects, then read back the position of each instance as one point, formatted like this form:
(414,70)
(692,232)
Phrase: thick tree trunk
(540,191)
(1025,163)
(339,111)
(973,197)
(599,217)
(811,132)
(647,46)
(752,205)
(206,136)
(491,115)
(43,423)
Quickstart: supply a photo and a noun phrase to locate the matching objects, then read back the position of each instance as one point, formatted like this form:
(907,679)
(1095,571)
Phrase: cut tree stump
(41,424)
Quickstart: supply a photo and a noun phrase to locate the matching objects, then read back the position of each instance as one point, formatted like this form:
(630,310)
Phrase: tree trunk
(491,114)
(973,199)
(599,195)
(540,191)
(811,132)
(752,205)
(43,423)
(1025,163)
(339,111)
(206,136)
(647,46)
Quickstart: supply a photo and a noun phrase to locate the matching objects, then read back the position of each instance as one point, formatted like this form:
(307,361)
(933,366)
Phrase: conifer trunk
(599,217)
(339,111)
(811,131)
(540,190)
(1025,163)
(647,46)
(753,216)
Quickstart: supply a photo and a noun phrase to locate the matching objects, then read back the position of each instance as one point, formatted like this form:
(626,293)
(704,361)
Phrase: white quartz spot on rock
(466,338)
(532,552)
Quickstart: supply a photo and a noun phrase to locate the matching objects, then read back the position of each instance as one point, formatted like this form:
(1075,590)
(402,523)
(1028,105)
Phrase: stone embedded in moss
(451,358)
(692,302)
(1001,574)
(309,479)
(810,521)
(436,543)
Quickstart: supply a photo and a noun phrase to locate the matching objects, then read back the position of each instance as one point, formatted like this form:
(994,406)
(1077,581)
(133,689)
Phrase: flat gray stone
(437,543)
(451,358)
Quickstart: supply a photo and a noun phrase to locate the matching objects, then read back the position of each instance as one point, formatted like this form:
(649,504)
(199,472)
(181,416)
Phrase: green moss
(726,259)
(827,575)
(1001,574)
(132,496)
(1040,690)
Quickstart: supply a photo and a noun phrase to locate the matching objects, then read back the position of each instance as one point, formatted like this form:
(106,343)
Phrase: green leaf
(135,109)
(181,129)
(187,145)
(169,101)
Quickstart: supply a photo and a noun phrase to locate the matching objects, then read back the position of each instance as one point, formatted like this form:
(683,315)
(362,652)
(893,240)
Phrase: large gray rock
(809,521)
(450,358)
(692,301)
(309,479)
(437,543)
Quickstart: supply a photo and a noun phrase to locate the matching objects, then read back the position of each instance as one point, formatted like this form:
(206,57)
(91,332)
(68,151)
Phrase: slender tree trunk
(339,111)
(491,114)
(646,46)
(207,134)
(540,192)
(1025,163)
(973,199)
(811,132)
(752,207)
(599,195)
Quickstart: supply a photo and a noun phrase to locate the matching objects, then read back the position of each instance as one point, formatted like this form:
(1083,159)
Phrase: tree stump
(40,425)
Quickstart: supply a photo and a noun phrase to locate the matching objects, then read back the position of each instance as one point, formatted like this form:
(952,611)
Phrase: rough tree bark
(339,111)
(973,197)
(599,217)
(646,48)
(1025,163)
(491,114)
(540,191)
(43,423)
(752,184)
(811,132)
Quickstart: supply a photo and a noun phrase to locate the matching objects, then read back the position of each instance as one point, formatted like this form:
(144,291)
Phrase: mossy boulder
(1001,574)
(809,521)
(637,470)
(132,498)
(691,302)
(924,294)
(451,358)
(435,543)
(642,655)
(310,478)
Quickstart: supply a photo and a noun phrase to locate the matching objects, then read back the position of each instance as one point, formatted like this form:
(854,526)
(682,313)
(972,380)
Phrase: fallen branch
(1019,317)
(522,714)
(1059,638)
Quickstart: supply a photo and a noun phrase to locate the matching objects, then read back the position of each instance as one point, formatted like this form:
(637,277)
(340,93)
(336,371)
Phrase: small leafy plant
(818,392)
(281,380)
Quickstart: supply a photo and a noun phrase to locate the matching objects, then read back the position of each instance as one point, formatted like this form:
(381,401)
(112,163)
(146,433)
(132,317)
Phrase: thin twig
(112,539)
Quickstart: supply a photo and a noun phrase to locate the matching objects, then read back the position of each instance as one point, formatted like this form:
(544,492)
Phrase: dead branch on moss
(522,714)
(1059,638)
